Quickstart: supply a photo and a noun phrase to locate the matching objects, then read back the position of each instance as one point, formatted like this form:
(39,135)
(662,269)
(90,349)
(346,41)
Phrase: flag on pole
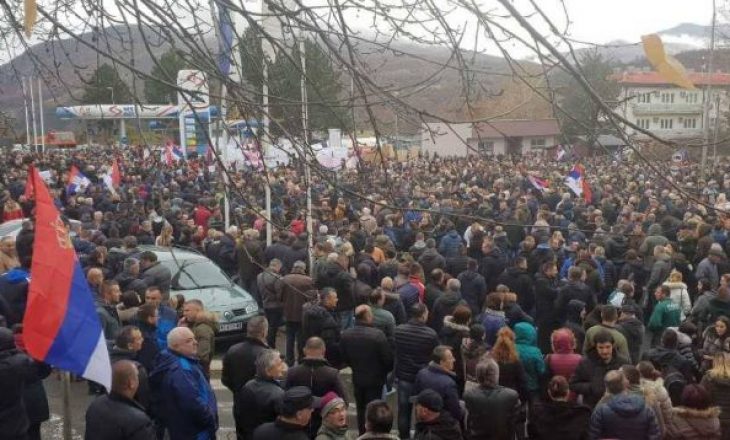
(60,325)
(171,154)
(113,178)
(577,183)
(538,183)
(77,181)
(225,45)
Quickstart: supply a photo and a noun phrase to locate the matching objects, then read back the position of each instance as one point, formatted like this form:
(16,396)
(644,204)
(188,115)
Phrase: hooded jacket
(680,296)
(14,292)
(452,335)
(443,307)
(530,355)
(693,424)
(204,329)
(473,289)
(183,398)
(563,360)
(562,420)
(449,244)
(624,416)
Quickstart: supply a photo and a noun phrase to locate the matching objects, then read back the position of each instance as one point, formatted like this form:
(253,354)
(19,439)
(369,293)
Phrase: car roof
(174,253)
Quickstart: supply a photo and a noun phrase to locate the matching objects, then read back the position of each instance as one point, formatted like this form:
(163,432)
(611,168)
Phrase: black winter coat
(519,282)
(444,383)
(492,413)
(143,391)
(414,343)
(473,290)
(492,266)
(444,307)
(633,331)
(445,427)
(573,290)
(114,417)
(561,420)
(366,350)
(318,321)
(17,371)
(588,377)
(255,404)
(333,275)
(546,293)
(317,375)
(280,430)
(239,363)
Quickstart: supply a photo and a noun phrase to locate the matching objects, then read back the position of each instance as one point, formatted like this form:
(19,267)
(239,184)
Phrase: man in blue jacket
(167,318)
(182,397)
(439,376)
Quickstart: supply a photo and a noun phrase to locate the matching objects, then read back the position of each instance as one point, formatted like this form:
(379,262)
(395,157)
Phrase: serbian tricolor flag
(576,181)
(538,183)
(113,178)
(60,326)
(171,154)
(77,181)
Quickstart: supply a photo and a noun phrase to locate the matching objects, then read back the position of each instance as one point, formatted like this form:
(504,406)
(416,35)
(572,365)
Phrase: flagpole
(66,411)
(40,109)
(25,104)
(32,111)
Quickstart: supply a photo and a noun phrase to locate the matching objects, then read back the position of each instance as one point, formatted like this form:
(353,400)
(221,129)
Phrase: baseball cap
(430,399)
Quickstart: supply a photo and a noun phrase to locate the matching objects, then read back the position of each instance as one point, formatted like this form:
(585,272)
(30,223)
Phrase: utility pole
(40,106)
(708,94)
(305,151)
(25,104)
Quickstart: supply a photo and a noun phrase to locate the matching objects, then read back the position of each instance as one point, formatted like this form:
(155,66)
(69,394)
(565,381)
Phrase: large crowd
(493,308)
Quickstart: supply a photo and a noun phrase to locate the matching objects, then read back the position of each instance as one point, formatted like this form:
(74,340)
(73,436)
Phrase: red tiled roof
(518,128)
(653,78)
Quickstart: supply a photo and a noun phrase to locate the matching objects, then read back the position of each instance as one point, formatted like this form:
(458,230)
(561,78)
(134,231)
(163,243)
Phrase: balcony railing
(660,108)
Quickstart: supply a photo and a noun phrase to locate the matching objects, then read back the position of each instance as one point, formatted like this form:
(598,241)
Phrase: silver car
(195,276)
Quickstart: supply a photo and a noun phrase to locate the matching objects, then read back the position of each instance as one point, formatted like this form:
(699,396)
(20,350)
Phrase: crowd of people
(493,308)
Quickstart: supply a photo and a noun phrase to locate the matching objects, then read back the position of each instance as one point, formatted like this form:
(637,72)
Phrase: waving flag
(225,45)
(538,183)
(171,154)
(113,178)
(77,181)
(61,326)
(576,181)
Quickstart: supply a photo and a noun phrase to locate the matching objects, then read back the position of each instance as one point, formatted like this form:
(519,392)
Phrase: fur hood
(675,285)
(457,328)
(691,413)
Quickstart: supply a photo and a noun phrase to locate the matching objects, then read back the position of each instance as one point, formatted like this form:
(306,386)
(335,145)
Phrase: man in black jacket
(117,415)
(520,282)
(546,292)
(588,377)
(239,363)
(334,274)
(319,319)
(316,373)
(432,422)
(574,289)
(294,416)
(256,403)
(366,350)
(414,343)
(492,408)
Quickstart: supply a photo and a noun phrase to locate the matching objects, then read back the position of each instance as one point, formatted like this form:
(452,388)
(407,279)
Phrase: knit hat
(329,402)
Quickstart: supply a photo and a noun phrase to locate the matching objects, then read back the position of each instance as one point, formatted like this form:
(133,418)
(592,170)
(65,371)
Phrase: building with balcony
(499,136)
(668,111)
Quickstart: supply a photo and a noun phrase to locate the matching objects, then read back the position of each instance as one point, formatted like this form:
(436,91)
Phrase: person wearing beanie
(333,410)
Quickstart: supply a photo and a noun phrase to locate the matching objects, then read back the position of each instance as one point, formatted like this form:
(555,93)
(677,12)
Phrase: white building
(668,111)
(505,136)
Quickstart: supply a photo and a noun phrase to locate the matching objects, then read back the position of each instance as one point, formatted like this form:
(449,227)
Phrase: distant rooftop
(518,128)
(653,78)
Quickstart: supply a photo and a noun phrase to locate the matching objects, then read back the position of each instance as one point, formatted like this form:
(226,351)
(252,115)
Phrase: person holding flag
(60,324)
(576,181)
(77,181)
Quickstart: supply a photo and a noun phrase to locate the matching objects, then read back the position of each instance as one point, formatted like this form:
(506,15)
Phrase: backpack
(674,382)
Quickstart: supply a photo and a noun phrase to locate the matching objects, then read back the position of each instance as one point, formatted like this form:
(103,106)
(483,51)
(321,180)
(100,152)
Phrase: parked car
(11,228)
(195,276)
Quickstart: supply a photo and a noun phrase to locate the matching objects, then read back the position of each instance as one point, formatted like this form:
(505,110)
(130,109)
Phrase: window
(690,123)
(666,124)
(667,97)
(643,123)
(644,98)
(691,98)
(486,147)
(536,143)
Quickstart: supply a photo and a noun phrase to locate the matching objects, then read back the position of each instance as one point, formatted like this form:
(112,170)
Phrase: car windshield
(195,274)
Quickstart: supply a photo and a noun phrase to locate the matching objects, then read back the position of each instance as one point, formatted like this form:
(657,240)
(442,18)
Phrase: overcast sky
(601,21)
